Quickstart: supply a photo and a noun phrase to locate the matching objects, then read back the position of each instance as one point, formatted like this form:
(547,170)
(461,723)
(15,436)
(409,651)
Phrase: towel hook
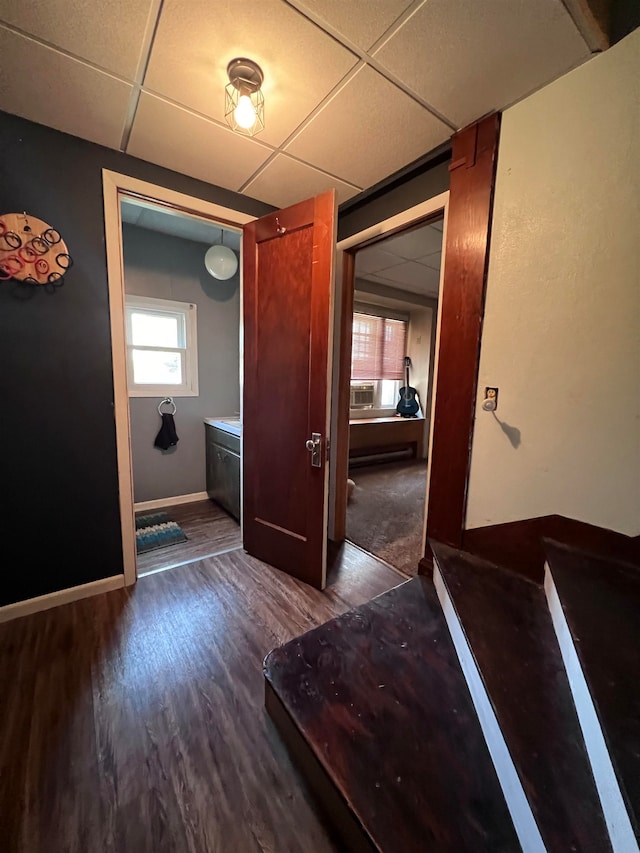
(168,401)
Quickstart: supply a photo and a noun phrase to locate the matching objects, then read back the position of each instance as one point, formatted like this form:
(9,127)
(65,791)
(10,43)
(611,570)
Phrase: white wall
(561,335)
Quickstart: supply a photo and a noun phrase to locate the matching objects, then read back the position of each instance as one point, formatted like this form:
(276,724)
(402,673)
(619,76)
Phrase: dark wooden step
(518,545)
(375,707)
(595,604)
(505,624)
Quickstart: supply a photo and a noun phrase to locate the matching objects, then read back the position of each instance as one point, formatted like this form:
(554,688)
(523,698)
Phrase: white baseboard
(63,596)
(174,501)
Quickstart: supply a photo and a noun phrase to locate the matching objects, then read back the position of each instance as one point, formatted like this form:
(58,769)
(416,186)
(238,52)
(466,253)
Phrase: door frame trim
(344,288)
(114,186)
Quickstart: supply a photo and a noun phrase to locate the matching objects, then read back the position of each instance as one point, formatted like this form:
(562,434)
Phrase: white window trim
(190,386)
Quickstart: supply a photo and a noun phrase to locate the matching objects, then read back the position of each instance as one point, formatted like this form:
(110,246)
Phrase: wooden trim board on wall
(114,187)
(176,500)
(465,261)
(63,596)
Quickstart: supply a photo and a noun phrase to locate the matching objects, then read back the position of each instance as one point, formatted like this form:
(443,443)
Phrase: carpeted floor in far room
(385,515)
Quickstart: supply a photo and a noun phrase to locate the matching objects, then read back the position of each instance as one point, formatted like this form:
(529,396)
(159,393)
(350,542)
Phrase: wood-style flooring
(134,722)
(209,530)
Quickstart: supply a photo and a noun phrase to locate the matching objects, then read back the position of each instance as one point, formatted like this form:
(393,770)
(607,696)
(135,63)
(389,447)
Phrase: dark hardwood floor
(134,722)
(209,529)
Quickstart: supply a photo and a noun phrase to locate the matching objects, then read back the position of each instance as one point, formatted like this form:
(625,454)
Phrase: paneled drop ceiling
(353,90)
(410,261)
(177,224)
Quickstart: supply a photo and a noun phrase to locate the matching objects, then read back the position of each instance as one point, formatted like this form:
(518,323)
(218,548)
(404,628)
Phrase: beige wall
(561,334)
(419,336)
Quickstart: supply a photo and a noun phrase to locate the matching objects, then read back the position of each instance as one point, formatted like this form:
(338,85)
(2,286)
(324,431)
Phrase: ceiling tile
(415,244)
(40,84)
(430,290)
(432,261)
(178,224)
(108,34)
(196,39)
(177,139)
(361,21)
(368,130)
(374,259)
(411,276)
(467,58)
(286,181)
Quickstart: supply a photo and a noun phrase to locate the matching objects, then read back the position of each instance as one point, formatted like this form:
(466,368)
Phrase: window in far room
(377,361)
(162,351)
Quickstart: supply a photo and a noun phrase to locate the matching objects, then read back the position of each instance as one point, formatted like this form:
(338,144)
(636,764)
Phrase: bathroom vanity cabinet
(223,468)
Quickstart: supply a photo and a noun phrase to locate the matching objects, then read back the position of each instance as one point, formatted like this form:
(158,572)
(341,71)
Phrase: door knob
(314,446)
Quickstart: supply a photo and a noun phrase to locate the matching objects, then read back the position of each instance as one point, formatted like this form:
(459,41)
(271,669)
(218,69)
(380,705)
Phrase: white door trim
(114,186)
(437,204)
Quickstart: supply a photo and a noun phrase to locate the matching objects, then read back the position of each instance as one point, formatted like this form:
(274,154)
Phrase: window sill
(355,414)
(163,391)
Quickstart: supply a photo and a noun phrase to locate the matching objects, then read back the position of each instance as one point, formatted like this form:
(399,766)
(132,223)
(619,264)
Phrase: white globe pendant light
(221,262)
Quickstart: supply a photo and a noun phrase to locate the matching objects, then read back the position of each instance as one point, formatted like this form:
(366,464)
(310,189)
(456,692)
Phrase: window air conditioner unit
(362,395)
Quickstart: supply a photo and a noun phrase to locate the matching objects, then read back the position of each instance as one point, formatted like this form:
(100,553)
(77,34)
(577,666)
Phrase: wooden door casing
(288,284)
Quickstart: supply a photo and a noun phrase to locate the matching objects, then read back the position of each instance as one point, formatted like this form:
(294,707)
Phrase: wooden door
(288,285)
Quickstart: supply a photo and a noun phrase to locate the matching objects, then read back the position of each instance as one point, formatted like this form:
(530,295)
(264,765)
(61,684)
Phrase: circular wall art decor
(31,250)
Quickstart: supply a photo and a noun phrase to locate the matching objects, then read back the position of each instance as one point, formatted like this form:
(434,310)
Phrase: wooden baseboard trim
(425,566)
(517,545)
(56,599)
(174,501)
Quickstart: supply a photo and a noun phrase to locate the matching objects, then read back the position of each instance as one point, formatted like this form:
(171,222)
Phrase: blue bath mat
(157,531)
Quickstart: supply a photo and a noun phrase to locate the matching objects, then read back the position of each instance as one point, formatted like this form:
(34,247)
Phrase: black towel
(167,437)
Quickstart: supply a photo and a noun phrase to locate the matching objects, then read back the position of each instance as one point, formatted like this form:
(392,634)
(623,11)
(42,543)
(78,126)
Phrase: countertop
(230,425)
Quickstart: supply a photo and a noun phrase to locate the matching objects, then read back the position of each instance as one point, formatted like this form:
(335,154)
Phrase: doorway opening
(393,339)
(433,214)
(168,313)
(182,328)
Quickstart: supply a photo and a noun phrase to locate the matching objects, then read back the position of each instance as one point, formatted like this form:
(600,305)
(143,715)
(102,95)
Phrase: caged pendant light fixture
(244,101)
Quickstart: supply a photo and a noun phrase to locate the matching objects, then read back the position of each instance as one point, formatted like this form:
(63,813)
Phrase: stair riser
(621,833)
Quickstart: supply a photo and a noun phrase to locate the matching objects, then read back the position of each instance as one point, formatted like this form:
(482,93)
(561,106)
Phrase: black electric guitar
(408,406)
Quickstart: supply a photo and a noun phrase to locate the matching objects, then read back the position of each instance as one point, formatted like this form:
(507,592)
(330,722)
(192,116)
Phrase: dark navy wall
(57,425)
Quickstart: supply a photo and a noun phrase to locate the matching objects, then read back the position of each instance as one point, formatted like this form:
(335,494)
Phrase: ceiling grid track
(153,20)
(66,53)
(370,60)
(318,109)
(356,65)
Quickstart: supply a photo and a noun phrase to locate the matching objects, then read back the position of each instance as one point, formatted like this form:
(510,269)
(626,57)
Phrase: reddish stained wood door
(288,285)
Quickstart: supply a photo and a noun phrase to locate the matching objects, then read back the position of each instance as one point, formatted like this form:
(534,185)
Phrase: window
(377,361)
(162,351)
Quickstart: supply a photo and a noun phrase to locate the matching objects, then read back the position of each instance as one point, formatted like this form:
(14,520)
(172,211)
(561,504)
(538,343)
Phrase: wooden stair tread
(380,700)
(508,627)
(601,603)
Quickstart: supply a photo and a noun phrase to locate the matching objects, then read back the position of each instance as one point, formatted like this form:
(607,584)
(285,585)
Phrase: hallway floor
(134,722)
